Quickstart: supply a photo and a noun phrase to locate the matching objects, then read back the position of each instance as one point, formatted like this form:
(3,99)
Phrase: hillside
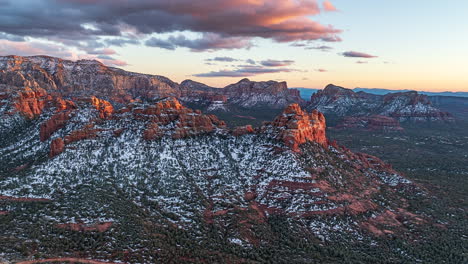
(144,179)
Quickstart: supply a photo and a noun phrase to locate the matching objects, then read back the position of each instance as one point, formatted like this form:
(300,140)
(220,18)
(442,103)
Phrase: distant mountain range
(306,93)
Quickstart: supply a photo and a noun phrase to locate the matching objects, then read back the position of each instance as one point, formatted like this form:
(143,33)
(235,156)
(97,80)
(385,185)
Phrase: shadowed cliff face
(407,106)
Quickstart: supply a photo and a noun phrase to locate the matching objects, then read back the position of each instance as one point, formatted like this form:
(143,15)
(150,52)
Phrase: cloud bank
(221,24)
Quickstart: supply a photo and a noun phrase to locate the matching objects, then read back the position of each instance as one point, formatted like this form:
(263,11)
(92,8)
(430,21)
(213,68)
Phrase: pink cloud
(328,6)
(38,48)
(33,48)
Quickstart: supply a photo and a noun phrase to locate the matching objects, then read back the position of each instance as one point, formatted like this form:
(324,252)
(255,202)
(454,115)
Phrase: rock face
(91,78)
(296,127)
(169,117)
(371,123)
(30,102)
(245,94)
(56,147)
(55,123)
(105,108)
(407,106)
(83,77)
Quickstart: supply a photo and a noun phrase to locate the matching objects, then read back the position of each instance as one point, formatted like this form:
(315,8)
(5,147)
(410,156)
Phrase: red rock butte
(296,127)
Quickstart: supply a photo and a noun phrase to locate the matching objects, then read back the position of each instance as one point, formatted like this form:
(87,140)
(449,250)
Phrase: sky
(419,45)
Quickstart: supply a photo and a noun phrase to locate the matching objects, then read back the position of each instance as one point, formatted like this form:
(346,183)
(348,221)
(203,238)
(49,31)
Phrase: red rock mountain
(406,106)
(122,151)
(92,78)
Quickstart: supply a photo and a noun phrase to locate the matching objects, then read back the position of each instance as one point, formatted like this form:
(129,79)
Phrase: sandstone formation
(295,127)
(169,117)
(245,93)
(405,106)
(30,102)
(56,147)
(105,108)
(55,123)
(85,78)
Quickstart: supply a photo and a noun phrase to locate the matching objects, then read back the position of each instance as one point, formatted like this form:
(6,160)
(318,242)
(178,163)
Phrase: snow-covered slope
(142,178)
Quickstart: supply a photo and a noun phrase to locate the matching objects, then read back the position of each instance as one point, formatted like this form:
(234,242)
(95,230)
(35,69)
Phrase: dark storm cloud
(207,42)
(120,42)
(11,37)
(66,21)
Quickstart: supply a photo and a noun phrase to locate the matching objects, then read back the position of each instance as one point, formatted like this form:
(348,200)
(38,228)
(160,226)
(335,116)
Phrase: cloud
(40,48)
(321,70)
(106,51)
(361,62)
(328,6)
(246,71)
(11,37)
(321,48)
(207,42)
(160,43)
(8,47)
(276,63)
(222,59)
(73,21)
(120,42)
(355,54)
(250,61)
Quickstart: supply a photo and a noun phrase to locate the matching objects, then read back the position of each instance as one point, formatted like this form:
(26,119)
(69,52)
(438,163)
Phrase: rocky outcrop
(371,123)
(169,117)
(295,127)
(55,123)
(245,93)
(57,146)
(82,77)
(407,106)
(86,133)
(30,102)
(104,108)
(243,130)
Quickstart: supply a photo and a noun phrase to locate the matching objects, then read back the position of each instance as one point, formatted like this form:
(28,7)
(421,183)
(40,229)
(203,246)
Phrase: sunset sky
(420,45)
